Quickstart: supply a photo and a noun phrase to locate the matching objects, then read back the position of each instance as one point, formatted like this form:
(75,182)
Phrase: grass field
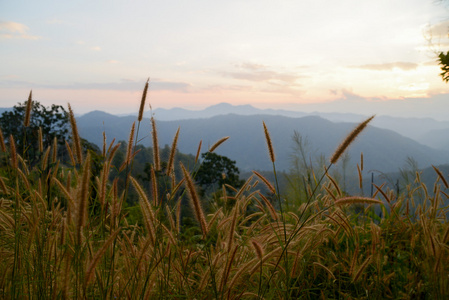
(64,233)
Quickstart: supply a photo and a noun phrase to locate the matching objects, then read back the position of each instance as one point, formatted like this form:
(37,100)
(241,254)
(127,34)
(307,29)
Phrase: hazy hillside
(420,129)
(383,149)
(217,110)
(439,138)
(426,131)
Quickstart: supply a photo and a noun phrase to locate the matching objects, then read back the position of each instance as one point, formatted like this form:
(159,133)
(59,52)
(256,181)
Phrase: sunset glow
(97,55)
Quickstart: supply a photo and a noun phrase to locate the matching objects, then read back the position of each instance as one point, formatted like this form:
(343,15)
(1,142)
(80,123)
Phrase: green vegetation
(216,171)
(68,228)
(443,60)
(45,125)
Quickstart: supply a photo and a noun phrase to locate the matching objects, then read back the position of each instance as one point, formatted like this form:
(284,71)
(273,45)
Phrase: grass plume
(269,143)
(142,102)
(218,143)
(156,157)
(28,109)
(2,142)
(75,136)
(441,176)
(195,201)
(171,159)
(348,140)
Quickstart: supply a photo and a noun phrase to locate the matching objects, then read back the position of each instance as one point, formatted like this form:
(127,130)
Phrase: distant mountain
(426,131)
(217,110)
(438,138)
(422,130)
(383,149)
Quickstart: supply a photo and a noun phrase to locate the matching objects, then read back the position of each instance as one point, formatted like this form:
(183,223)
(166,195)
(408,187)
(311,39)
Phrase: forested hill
(383,149)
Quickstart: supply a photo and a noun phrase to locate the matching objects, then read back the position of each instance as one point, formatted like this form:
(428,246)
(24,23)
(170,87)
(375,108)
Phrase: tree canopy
(53,121)
(217,170)
(443,60)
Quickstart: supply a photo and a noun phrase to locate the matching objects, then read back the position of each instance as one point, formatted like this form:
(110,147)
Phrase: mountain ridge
(418,129)
(383,149)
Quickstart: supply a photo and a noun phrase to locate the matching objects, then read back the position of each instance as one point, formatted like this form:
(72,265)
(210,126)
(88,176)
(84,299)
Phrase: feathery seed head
(269,143)
(75,136)
(129,150)
(441,176)
(258,248)
(218,143)
(195,201)
(142,102)
(348,140)
(156,157)
(12,146)
(41,140)
(171,158)
(83,197)
(2,142)
(198,151)
(26,122)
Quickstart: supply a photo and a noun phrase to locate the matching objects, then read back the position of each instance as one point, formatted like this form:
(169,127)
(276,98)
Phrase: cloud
(439,29)
(123,85)
(55,21)
(96,48)
(251,66)
(112,61)
(261,73)
(406,66)
(13,30)
(15,82)
(9,77)
(226,88)
(128,86)
(433,106)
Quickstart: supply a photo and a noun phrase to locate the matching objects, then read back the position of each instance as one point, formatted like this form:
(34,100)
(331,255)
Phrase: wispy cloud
(13,30)
(12,81)
(251,66)
(405,66)
(55,21)
(9,77)
(128,85)
(124,85)
(226,88)
(438,30)
(261,73)
(96,48)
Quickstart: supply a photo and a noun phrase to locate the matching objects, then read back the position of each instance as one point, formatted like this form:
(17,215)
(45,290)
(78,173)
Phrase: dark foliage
(217,170)
(53,120)
(443,60)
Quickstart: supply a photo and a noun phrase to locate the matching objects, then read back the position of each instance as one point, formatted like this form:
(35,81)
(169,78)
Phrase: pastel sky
(347,55)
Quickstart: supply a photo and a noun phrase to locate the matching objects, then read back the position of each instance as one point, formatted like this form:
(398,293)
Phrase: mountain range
(426,131)
(386,143)
(384,149)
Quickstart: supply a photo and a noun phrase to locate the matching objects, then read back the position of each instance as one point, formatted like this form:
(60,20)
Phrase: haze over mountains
(384,149)
(386,144)
(426,131)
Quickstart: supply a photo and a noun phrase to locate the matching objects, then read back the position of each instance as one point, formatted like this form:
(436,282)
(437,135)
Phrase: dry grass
(348,140)
(64,234)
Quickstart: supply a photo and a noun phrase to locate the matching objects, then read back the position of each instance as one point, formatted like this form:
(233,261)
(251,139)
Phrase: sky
(369,57)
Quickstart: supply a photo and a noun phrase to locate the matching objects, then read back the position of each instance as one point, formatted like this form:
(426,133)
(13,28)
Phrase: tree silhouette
(443,60)
(53,121)
(217,170)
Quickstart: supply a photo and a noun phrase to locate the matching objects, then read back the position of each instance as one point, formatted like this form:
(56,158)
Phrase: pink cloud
(13,30)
